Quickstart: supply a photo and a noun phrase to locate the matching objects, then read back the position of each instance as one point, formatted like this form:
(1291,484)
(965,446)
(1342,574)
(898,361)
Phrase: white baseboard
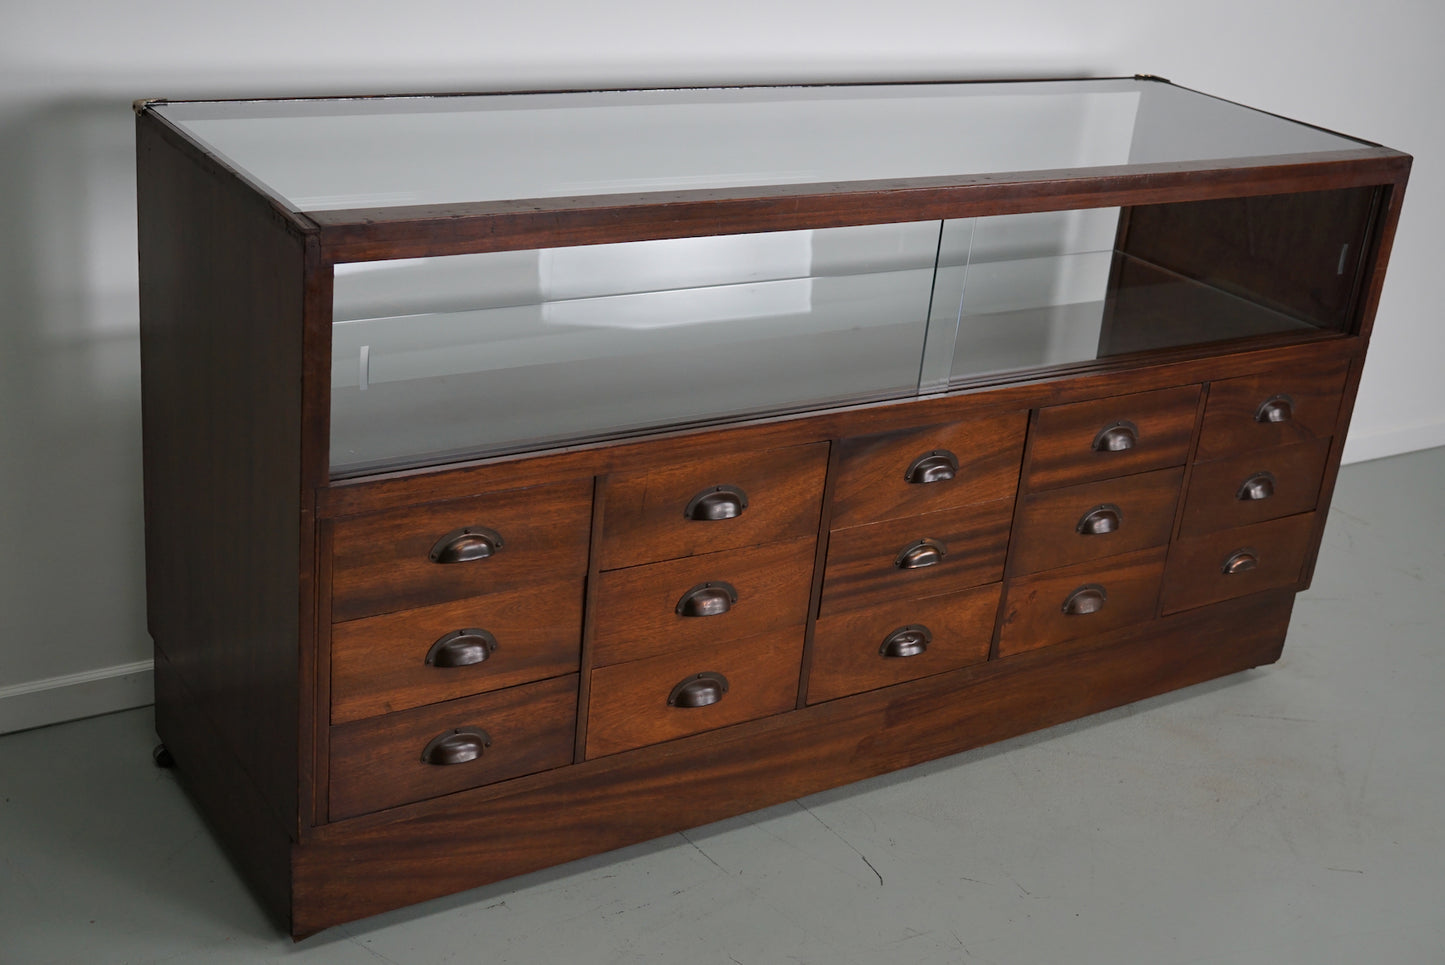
(1393,442)
(37,703)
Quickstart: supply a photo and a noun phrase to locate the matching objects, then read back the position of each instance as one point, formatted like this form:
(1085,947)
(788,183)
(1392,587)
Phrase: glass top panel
(327,154)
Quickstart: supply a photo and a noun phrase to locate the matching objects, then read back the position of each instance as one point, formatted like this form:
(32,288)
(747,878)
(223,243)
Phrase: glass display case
(579,467)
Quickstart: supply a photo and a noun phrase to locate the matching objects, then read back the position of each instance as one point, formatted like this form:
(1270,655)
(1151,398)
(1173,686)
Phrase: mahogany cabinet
(528,475)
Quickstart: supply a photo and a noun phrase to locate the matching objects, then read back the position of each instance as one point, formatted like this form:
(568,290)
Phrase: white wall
(72,607)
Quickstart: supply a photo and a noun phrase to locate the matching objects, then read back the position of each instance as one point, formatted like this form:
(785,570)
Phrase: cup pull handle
(1117,437)
(940,465)
(456,746)
(1100,520)
(1277,408)
(1240,561)
(466,544)
(1258,486)
(717,502)
(909,641)
(1089,598)
(707,600)
(461,648)
(921,553)
(699,690)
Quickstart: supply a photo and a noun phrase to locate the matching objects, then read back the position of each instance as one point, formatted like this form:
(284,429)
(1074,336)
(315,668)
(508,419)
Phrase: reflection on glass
(326,154)
(476,353)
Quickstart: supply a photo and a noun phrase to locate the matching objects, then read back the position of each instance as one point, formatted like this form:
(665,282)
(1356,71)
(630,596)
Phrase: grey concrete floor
(1294,813)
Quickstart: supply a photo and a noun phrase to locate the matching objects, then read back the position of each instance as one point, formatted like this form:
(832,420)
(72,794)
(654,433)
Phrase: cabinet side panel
(221,311)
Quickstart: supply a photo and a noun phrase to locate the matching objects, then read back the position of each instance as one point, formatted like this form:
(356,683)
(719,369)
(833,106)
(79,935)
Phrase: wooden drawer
(380,664)
(383,561)
(863,649)
(1199,573)
(1283,481)
(645,515)
(1038,612)
(1234,421)
(863,566)
(1156,426)
(1063,526)
(377,763)
(629,701)
(640,610)
(927,470)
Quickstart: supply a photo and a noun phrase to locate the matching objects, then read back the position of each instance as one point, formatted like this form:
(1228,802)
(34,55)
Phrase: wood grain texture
(636,616)
(862,560)
(1195,575)
(360,868)
(411,231)
(629,706)
(378,663)
(1230,426)
(645,519)
(1033,614)
(1046,530)
(1213,502)
(221,303)
(377,763)
(872,484)
(1061,452)
(380,561)
(847,656)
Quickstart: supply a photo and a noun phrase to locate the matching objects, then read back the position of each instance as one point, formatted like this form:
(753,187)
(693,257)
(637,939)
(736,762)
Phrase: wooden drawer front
(629,702)
(1286,481)
(382,562)
(380,664)
(863,649)
(1232,416)
(645,513)
(1064,437)
(637,609)
(875,483)
(378,763)
(863,561)
(1197,567)
(1035,612)
(1062,526)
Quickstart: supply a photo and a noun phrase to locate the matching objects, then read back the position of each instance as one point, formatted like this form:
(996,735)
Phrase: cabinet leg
(162,757)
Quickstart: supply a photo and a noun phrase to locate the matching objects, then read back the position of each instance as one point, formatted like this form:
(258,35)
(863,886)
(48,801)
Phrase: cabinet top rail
(368,162)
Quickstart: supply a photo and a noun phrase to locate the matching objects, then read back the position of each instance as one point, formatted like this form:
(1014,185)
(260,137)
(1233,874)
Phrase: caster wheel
(162,757)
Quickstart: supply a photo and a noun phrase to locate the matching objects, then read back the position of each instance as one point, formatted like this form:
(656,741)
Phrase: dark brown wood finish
(872,475)
(636,613)
(382,563)
(630,702)
(646,520)
(253,550)
(360,868)
(377,763)
(1034,613)
(221,305)
(1047,529)
(1231,419)
(862,567)
(1196,574)
(1064,449)
(1216,494)
(850,648)
(366,234)
(378,664)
